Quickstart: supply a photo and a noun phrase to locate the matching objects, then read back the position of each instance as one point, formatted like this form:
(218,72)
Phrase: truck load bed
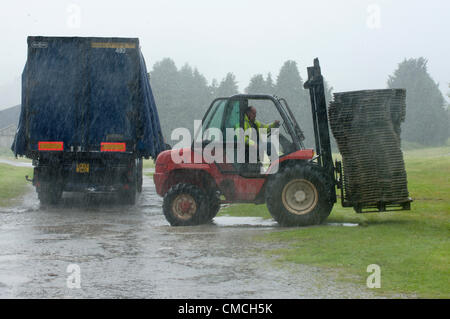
(83,92)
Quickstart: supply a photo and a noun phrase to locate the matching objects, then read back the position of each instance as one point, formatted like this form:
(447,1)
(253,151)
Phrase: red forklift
(299,187)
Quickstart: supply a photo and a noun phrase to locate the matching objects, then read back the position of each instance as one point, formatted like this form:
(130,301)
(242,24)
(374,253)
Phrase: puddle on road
(12,279)
(229,221)
(342,224)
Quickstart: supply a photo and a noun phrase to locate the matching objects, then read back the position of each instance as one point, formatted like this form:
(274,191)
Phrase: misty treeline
(427,116)
(183,95)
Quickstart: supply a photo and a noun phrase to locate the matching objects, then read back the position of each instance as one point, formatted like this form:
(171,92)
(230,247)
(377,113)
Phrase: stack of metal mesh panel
(366,126)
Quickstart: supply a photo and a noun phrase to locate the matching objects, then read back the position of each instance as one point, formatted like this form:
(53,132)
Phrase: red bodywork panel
(298,155)
(234,186)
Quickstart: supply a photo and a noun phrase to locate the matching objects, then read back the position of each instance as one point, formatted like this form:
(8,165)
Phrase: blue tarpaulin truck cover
(86,91)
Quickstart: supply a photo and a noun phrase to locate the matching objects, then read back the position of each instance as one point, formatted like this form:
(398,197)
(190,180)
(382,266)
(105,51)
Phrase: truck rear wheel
(140,168)
(299,196)
(128,195)
(187,205)
(49,194)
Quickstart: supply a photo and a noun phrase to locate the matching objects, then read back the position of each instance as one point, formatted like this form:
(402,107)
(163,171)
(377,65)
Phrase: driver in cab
(250,121)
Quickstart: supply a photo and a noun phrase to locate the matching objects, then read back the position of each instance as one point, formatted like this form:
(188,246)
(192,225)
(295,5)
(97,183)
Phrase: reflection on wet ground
(132,252)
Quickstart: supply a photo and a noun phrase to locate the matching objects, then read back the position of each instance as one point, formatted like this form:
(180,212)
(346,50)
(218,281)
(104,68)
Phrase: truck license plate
(82,168)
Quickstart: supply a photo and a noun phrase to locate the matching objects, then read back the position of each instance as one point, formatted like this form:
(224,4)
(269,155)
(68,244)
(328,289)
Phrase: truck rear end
(88,116)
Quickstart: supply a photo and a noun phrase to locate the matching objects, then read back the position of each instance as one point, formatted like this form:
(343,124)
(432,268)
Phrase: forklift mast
(320,121)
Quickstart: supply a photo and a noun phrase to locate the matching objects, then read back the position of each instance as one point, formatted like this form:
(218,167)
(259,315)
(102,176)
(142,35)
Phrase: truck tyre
(299,196)
(139,175)
(49,194)
(128,196)
(187,205)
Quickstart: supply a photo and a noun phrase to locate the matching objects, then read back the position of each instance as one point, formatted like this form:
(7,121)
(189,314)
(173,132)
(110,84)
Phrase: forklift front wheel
(299,196)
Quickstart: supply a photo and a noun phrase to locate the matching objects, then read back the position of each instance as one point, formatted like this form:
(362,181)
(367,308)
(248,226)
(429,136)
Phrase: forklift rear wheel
(298,196)
(214,204)
(187,205)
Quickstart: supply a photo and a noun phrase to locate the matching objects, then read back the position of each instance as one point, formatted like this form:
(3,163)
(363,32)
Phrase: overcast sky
(359,43)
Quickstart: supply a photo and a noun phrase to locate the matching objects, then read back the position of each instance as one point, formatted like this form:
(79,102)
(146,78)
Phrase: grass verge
(149,167)
(6,152)
(12,183)
(411,247)
(148,163)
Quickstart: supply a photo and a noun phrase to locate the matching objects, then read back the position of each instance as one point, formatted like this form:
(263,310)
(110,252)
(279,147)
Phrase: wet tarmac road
(132,252)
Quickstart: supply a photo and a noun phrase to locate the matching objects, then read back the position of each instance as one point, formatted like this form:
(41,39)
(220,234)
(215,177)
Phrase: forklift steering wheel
(280,125)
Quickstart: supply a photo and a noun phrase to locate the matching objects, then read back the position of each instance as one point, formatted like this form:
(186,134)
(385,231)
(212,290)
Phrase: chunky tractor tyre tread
(214,204)
(315,179)
(204,205)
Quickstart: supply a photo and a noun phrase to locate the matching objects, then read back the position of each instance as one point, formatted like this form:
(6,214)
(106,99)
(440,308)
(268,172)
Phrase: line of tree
(183,95)
(427,117)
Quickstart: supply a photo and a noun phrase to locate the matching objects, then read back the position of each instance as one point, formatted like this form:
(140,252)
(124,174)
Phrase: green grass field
(148,164)
(411,247)
(6,152)
(12,183)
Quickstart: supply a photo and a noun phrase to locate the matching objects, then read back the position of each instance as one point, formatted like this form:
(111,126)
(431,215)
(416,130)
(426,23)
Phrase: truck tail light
(113,147)
(50,146)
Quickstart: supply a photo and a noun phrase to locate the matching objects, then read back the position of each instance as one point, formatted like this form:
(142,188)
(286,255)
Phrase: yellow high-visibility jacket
(249,139)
